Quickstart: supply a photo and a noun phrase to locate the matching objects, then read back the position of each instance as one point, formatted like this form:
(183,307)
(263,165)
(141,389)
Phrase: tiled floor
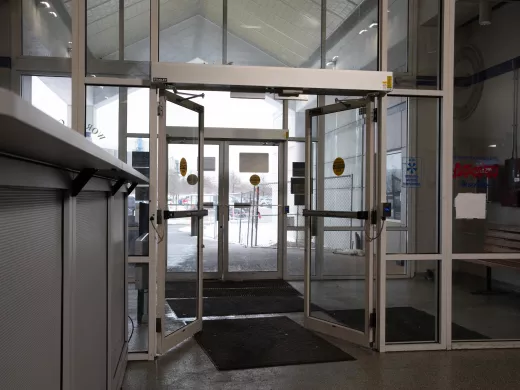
(187,367)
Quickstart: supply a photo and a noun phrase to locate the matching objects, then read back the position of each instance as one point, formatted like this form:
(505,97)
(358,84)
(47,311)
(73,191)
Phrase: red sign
(476,171)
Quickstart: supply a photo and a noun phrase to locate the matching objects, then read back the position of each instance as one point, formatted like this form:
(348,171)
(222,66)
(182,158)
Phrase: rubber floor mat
(264,342)
(218,288)
(228,306)
(404,324)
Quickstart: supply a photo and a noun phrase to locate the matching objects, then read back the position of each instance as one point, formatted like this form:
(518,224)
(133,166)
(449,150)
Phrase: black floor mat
(264,342)
(404,324)
(218,288)
(228,306)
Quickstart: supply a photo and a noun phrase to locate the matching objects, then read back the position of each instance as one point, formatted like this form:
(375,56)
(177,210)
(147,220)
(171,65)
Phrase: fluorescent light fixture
(47,5)
(363,31)
(492,146)
(373,25)
(53,14)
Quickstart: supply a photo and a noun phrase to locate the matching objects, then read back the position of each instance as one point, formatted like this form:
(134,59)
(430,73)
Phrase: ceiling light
(362,31)
(93,75)
(53,14)
(248,26)
(47,5)
(492,146)
(373,25)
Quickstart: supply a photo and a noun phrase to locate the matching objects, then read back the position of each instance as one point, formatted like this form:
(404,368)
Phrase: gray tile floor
(187,367)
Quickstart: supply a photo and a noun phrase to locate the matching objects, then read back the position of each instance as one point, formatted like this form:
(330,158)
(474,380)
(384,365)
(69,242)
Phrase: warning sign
(183,167)
(338,166)
(254,180)
(192,179)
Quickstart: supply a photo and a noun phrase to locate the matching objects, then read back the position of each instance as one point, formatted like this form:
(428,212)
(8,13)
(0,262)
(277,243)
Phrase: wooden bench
(499,239)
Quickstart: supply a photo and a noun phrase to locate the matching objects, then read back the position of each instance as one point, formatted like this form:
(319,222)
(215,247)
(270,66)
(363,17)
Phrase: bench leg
(489,287)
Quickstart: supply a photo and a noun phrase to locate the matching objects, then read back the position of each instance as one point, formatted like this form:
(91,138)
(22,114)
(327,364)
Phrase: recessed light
(363,31)
(492,146)
(251,27)
(373,25)
(53,14)
(47,5)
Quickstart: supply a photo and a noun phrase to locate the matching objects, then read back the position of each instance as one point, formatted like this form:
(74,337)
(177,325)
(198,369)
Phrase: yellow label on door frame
(338,166)
(183,167)
(254,180)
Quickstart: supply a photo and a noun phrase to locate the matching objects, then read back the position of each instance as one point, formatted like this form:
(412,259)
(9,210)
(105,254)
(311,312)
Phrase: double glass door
(242,196)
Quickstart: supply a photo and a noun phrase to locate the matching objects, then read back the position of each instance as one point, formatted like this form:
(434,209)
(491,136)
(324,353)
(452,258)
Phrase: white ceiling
(288,30)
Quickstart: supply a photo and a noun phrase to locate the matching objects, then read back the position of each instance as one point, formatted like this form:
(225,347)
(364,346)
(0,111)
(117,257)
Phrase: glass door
(335,208)
(180,223)
(252,233)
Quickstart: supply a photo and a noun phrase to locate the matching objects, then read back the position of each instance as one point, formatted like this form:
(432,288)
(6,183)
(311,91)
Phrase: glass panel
(412,303)
(52,95)
(485,299)
(412,176)
(46,28)
(253,230)
(182,234)
(138,307)
(103,46)
(296,203)
(138,110)
(414,43)
(212,201)
(223,110)
(191,31)
(102,117)
(339,301)
(352,36)
(278,33)
(297,115)
(485,139)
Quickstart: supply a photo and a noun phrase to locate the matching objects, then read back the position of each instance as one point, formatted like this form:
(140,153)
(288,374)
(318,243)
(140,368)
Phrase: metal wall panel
(30,288)
(117,282)
(90,305)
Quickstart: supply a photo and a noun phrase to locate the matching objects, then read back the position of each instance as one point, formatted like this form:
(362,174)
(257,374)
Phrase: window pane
(486,299)
(191,31)
(414,43)
(52,95)
(412,182)
(102,117)
(103,44)
(46,28)
(486,214)
(274,33)
(352,35)
(412,303)
(138,307)
(223,110)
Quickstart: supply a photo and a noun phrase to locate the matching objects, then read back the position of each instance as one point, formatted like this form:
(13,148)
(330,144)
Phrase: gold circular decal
(183,166)
(338,166)
(192,179)
(254,180)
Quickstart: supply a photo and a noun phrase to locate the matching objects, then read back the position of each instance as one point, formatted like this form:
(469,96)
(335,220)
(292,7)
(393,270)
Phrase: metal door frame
(221,137)
(167,342)
(365,338)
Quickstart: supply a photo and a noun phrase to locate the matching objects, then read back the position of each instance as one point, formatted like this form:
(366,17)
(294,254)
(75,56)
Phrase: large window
(52,95)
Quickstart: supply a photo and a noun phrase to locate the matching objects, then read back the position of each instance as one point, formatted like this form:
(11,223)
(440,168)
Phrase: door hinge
(374,116)
(158,325)
(373,320)
(159,110)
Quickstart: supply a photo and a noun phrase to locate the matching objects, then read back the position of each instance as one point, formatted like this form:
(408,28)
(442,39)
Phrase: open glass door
(339,234)
(181,171)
